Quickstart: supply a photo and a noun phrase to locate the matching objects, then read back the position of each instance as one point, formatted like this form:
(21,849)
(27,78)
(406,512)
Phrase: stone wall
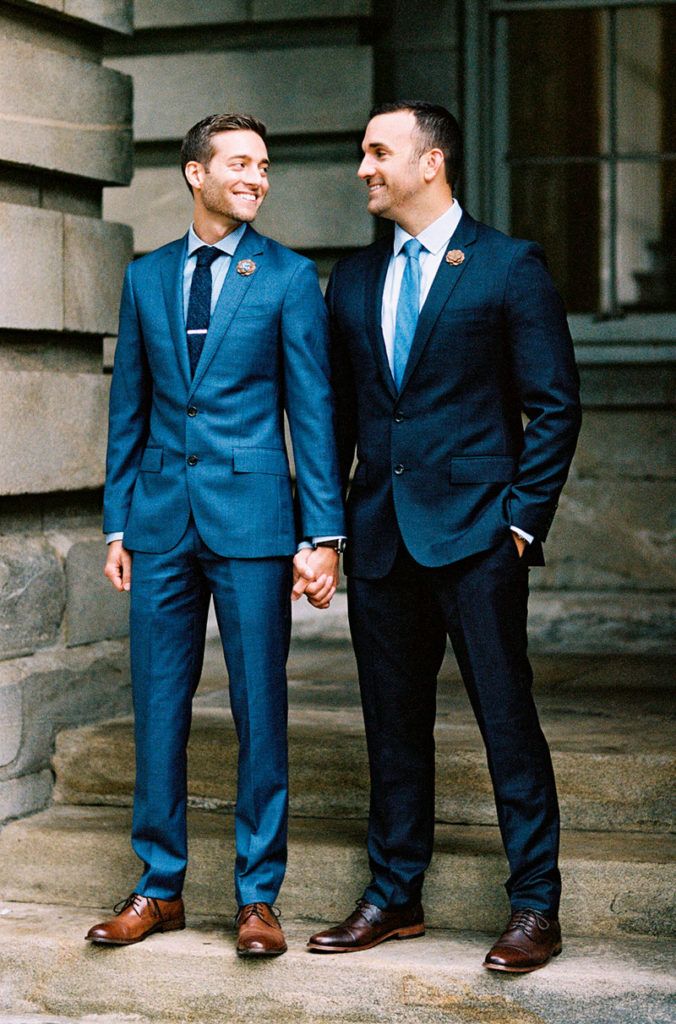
(65,132)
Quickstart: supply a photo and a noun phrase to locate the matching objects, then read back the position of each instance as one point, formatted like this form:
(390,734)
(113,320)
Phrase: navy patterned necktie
(407,308)
(199,304)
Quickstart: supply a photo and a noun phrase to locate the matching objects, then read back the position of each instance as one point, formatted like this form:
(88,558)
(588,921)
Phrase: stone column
(65,132)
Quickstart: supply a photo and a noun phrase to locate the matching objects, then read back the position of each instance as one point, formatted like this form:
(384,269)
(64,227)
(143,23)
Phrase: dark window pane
(646,236)
(560,208)
(554,103)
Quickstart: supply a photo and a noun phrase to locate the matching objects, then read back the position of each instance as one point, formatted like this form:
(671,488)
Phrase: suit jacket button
(192,460)
(399,469)
(399,417)
(192,410)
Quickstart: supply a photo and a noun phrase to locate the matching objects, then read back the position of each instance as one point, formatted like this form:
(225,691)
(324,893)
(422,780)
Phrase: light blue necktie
(407,308)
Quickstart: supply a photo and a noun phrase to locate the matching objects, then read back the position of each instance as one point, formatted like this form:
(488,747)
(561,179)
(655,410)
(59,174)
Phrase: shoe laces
(255,910)
(135,901)
(527,920)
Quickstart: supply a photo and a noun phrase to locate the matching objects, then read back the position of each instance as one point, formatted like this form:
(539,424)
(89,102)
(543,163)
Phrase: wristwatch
(337,545)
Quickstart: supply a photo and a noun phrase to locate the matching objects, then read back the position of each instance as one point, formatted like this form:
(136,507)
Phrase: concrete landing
(194,975)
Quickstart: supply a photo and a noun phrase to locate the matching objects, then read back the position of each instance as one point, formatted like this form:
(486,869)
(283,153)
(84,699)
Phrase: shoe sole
(520,970)
(169,927)
(412,932)
(247,954)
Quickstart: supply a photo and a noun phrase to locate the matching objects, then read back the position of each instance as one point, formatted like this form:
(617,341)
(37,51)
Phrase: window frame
(486,185)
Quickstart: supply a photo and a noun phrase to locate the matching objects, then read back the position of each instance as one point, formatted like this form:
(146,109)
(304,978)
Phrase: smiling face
(392,168)
(235,182)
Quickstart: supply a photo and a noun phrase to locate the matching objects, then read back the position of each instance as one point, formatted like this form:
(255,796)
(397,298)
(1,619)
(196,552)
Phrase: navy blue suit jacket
(446,462)
(266,351)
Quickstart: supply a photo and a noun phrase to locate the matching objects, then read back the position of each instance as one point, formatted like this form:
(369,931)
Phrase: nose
(366,168)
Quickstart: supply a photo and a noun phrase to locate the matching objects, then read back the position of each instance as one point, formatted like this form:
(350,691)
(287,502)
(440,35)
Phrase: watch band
(337,545)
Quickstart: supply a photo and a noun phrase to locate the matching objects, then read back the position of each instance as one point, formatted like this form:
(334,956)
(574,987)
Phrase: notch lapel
(171,272)
(233,291)
(440,293)
(374,285)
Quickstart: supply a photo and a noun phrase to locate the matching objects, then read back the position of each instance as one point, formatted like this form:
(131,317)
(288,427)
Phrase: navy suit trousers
(169,604)
(399,627)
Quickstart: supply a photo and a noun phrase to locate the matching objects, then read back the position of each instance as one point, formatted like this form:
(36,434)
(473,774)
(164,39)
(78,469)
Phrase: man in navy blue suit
(442,338)
(221,332)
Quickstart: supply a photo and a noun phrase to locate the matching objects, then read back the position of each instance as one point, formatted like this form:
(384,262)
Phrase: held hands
(315,574)
(118,566)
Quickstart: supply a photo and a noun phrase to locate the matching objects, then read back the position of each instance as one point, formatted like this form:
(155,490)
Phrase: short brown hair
(197,144)
(436,129)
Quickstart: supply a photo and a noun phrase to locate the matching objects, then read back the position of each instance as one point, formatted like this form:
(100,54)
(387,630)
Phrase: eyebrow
(378,145)
(245,156)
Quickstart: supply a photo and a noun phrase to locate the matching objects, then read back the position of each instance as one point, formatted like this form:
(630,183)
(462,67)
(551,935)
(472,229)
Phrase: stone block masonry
(65,132)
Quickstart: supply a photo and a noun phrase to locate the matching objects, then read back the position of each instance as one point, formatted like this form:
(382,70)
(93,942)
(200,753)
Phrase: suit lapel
(233,291)
(440,293)
(171,272)
(374,285)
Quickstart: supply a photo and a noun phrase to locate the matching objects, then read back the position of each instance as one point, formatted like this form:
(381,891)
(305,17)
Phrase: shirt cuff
(110,537)
(522,533)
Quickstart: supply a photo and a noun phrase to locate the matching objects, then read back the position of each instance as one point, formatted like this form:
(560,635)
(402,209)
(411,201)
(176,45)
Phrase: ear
(433,162)
(194,173)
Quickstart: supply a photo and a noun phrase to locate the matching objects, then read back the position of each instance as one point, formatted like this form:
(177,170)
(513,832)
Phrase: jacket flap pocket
(260,460)
(152,460)
(482,469)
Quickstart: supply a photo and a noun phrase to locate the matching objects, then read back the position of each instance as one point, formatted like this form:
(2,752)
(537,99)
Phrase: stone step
(611,774)
(50,976)
(614,883)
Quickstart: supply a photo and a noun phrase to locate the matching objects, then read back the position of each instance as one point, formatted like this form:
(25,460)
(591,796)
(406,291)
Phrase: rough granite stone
(32,595)
(61,688)
(25,795)
(94,610)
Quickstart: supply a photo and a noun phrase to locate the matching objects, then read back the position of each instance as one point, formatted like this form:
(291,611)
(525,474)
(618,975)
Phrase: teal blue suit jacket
(214,446)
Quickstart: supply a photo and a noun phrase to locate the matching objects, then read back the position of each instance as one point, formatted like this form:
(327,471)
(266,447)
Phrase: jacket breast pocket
(152,460)
(482,469)
(260,460)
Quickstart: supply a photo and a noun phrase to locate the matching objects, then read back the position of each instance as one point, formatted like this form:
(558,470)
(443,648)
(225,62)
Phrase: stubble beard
(215,201)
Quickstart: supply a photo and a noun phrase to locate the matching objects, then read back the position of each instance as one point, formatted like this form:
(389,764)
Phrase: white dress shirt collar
(226,245)
(436,234)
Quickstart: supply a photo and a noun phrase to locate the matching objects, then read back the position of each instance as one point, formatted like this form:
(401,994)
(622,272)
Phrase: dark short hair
(437,129)
(197,144)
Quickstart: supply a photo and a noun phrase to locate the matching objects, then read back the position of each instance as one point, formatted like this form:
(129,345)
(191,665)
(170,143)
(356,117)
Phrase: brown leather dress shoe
(528,942)
(259,932)
(136,918)
(367,926)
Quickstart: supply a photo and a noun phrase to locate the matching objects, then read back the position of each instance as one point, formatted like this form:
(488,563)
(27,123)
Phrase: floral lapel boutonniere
(246,267)
(455,257)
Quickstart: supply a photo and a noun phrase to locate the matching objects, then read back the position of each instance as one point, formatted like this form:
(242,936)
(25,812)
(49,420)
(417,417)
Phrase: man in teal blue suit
(221,332)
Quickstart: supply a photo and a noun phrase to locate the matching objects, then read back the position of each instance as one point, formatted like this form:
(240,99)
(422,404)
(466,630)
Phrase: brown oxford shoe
(367,926)
(137,918)
(259,932)
(528,942)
